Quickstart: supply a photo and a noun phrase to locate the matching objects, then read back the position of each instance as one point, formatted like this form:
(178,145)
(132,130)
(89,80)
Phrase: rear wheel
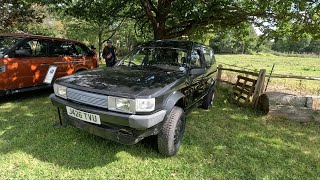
(80,70)
(208,99)
(172,131)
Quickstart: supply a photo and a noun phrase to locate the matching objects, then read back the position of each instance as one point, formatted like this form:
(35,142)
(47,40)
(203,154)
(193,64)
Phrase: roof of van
(23,35)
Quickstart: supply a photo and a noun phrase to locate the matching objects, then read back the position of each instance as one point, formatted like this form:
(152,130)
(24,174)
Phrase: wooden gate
(243,90)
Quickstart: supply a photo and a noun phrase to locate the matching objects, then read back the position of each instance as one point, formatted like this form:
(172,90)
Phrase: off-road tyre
(171,133)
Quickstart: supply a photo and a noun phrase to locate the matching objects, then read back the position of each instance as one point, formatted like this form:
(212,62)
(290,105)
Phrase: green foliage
(102,12)
(81,30)
(241,39)
(175,18)
(55,25)
(314,47)
(290,43)
(98,17)
(127,36)
(225,25)
(16,14)
(48,26)
(202,35)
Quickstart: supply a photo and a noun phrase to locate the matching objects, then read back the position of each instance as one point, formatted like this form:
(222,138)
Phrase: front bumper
(119,127)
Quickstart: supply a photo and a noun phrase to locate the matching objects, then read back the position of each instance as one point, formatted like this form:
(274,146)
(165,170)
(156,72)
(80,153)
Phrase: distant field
(283,65)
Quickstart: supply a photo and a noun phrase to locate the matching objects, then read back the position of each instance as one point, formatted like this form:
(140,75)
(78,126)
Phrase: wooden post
(219,74)
(259,87)
(263,84)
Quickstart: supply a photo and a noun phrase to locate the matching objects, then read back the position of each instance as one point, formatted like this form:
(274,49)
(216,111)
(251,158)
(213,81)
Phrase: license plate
(84,116)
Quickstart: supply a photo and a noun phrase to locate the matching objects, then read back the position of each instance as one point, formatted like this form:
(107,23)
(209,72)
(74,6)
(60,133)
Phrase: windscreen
(157,57)
(7,43)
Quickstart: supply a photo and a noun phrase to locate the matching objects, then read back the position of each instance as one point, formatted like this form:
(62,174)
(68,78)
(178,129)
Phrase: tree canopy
(16,13)
(174,18)
(225,24)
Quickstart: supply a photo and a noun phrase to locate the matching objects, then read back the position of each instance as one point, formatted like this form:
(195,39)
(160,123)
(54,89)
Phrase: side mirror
(197,71)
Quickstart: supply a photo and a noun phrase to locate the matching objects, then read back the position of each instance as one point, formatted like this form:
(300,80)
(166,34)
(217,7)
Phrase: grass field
(225,142)
(283,65)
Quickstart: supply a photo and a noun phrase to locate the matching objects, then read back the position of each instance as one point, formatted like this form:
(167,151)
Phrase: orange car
(29,62)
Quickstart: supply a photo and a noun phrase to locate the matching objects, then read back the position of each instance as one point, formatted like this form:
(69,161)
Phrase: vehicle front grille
(87,98)
(3,68)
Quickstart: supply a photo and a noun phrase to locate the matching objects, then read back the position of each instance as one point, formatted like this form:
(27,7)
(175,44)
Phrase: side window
(81,50)
(68,49)
(208,56)
(61,48)
(33,48)
(195,59)
(56,49)
(182,57)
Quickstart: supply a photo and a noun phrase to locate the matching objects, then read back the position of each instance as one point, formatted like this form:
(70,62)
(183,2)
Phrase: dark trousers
(109,63)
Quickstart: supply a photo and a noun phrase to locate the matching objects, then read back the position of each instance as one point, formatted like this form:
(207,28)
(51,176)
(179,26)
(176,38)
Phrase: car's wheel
(171,133)
(80,70)
(208,99)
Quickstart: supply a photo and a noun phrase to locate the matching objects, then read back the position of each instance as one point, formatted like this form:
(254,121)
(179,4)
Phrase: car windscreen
(157,57)
(7,43)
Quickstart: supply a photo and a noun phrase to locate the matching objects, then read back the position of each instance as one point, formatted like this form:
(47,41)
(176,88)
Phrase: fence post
(219,74)
(259,87)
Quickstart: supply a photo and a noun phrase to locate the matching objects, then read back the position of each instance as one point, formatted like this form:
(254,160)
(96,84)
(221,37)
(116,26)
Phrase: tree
(101,14)
(241,39)
(290,43)
(16,14)
(168,19)
(314,47)
(174,18)
(48,26)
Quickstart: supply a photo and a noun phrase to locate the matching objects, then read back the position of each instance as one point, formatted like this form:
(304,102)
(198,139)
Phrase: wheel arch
(213,81)
(174,99)
(80,69)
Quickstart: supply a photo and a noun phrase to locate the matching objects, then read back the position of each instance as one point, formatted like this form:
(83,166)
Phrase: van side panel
(3,74)
(30,59)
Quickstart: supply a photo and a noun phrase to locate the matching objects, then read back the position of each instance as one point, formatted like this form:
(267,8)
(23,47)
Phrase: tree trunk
(160,29)
(243,46)
(100,42)
(157,16)
(159,34)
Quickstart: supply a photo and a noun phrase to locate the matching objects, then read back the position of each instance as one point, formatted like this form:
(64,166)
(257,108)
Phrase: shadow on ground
(27,124)
(29,95)
(225,140)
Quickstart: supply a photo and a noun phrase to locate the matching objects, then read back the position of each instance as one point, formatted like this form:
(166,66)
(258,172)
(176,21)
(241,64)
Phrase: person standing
(109,54)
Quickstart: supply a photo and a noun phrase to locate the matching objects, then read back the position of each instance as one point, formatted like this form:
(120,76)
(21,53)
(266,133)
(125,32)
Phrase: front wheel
(172,131)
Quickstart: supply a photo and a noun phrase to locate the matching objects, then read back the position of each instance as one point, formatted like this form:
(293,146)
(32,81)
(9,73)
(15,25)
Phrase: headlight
(60,91)
(145,105)
(130,105)
(121,104)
